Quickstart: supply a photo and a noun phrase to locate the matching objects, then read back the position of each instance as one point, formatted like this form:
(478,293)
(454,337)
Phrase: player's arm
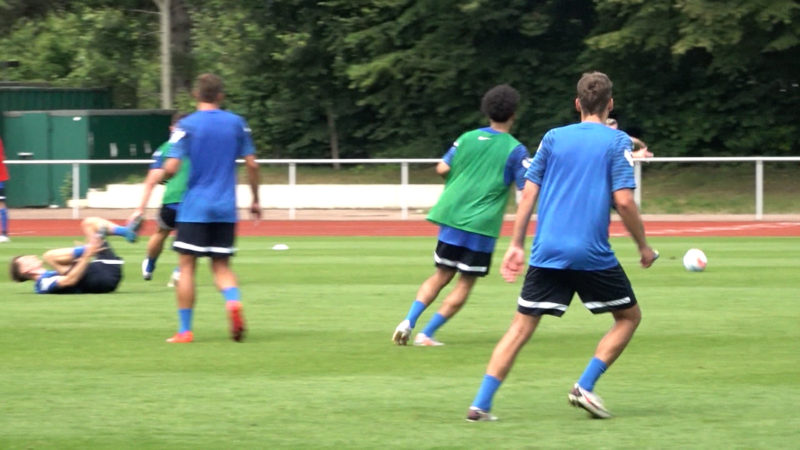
(254,178)
(171,167)
(629,212)
(60,259)
(175,153)
(514,260)
(442,168)
(74,275)
(154,177)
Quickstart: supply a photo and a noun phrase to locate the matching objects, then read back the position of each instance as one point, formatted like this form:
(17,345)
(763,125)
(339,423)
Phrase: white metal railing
(292,175)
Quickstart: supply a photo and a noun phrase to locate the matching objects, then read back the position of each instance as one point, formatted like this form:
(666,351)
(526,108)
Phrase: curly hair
(500,103)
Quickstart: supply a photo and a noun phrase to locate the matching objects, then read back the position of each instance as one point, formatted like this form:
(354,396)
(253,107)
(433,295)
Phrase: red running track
(70,227)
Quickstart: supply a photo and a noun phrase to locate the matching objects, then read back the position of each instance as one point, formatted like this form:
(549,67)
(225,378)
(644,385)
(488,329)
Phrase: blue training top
(212,140)
(578,168)
(514,172)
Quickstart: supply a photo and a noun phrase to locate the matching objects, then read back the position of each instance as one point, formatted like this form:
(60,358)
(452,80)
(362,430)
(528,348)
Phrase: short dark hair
(14,271)
(594,92)
(208,88)
(500,103)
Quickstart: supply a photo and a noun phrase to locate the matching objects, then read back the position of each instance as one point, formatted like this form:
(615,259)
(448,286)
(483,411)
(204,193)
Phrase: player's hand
(642,153)
(134,215)
(649,256)
(255,211)
(513,263)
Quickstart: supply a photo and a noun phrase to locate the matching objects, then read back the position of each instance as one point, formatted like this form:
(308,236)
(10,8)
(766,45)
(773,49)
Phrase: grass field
(715,363)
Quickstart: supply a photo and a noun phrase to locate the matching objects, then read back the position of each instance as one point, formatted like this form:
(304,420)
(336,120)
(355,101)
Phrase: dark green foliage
(403,78)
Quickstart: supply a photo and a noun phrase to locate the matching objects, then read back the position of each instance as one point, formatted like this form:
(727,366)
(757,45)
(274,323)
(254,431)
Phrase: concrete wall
(285,196)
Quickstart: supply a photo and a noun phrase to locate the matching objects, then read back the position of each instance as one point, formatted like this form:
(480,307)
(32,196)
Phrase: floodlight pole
(166,56)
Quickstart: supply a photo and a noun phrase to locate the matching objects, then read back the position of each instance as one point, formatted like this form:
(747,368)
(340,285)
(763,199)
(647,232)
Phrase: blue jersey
(212,140)
(578,168)
(514,172)
(47,283)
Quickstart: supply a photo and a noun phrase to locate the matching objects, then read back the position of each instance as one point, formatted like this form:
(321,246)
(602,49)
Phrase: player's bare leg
(505,352)
(614,342)
(426,294)
(452,303)
(154,247)
(185,291)
(185,296)
(227,283)
(608,350)
(503,357)
(431,287)
(457,298)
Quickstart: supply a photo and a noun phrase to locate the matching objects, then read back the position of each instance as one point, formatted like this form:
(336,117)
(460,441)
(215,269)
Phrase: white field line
(711,229)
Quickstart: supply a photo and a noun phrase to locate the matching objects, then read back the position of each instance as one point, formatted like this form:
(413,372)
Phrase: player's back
(474,197)
(582,165)
(213,140)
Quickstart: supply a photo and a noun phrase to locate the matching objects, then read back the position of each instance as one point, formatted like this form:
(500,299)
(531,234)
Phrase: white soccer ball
(695,260)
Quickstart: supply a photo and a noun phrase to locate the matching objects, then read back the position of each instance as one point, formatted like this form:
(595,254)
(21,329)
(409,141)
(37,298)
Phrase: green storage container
(77,134)
(26,137)
(40,98)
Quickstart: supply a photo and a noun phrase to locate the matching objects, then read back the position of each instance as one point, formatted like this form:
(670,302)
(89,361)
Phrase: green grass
(714,364)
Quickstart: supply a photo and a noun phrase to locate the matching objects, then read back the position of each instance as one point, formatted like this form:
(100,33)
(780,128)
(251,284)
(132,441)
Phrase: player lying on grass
(92,268)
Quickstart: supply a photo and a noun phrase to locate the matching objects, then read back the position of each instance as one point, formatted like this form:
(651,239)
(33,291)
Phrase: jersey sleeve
(535,172)
(451,153)
(178,143)
(516,166)
(47,284)
(160,156)
(622,176)
(246,146)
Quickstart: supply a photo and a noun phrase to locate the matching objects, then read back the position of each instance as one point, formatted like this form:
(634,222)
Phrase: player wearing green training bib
(174,189)
(479,168)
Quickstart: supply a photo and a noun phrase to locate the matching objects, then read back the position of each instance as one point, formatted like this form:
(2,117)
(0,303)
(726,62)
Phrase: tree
(705,79)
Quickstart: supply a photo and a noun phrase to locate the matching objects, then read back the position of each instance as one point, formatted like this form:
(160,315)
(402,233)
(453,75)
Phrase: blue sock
(416,310)
(486,392)
(436,321)
(4,220)
(593,371)
(185,317)
(151,264)
(119,231)
(77,252)
(232,294)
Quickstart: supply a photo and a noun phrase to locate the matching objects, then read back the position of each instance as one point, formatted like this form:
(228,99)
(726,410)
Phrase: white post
(292,183)
(637,175)
(166,54)
(76,189)
(759,189)
(404,190)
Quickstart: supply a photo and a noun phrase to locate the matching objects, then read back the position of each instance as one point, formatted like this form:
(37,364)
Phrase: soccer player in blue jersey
(480,167)
(211,139)
(579,173)
(92,268)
